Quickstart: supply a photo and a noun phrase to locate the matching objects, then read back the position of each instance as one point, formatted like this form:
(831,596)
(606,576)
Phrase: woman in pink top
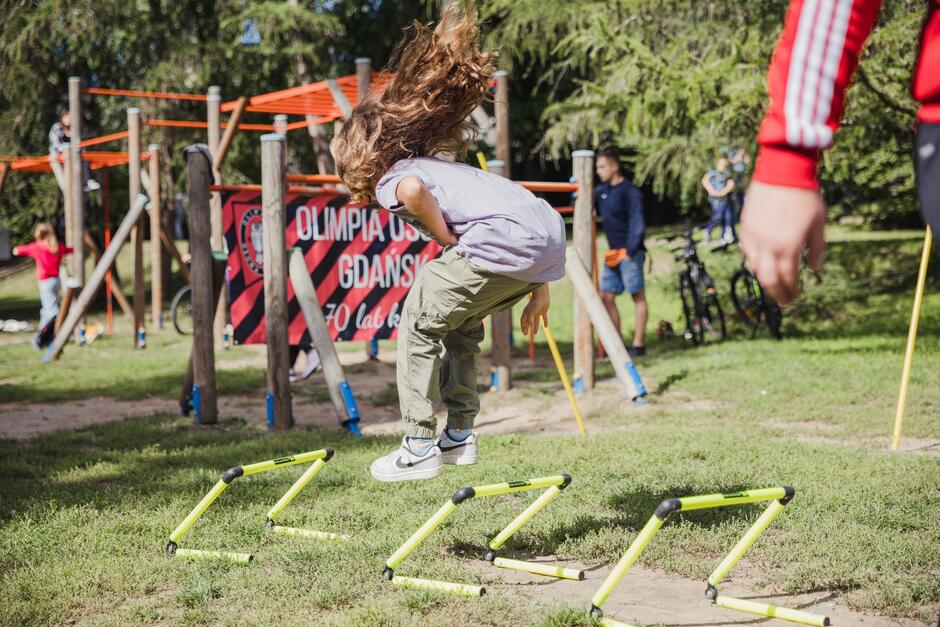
(48,255)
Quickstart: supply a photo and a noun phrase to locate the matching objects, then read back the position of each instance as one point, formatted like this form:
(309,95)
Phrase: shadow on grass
(165,384)
(100,465)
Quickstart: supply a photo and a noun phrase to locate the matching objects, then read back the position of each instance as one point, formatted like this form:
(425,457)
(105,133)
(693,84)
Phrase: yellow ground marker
(553,486)
(318,459)
(778,496)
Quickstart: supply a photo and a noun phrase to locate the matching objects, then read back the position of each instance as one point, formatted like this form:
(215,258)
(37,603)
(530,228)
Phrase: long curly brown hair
(441,75)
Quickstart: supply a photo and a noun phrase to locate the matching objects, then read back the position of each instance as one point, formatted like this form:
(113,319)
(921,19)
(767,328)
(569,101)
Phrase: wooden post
(319,332)
(97,276)
(501,105)
(583,244)
(200,246)
(75,183)
(363,77)
(133,173)
(610,337)
(280,124)
(218,283)
(501,325)
(213,117)
(156,221)
(275,277)
(67,201)
(106,207)
(174,253)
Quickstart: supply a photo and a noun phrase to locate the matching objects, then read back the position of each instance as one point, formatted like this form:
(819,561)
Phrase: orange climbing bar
(104,139)
(541,186)
(196,124)
(135,93)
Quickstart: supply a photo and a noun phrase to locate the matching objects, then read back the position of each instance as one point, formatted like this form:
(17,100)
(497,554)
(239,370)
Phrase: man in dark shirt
(620,204)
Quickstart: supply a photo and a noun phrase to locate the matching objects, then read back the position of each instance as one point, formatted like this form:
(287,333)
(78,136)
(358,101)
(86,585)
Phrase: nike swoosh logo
(451,448)
(398,463)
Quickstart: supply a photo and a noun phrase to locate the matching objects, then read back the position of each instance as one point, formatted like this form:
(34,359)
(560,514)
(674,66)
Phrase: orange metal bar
(134,93)
(104,139)
(539,186)
(257,188)
(196,124)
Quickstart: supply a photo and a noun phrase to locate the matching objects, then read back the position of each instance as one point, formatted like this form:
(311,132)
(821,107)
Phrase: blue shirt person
(620,204)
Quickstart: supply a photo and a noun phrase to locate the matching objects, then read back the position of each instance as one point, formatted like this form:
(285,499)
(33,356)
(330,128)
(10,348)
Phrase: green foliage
(168,46)
(670,82)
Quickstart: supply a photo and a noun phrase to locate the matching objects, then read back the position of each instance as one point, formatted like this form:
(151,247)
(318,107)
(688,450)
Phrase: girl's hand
(535,309)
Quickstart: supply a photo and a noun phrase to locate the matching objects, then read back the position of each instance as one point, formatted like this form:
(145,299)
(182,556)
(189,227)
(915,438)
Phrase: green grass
(84,515)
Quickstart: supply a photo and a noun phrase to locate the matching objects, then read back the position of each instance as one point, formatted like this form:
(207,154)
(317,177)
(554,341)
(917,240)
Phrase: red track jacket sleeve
(809,73)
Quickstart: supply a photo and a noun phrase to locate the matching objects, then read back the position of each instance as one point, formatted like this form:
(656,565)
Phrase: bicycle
(752,306)
(704,317)
(181,310)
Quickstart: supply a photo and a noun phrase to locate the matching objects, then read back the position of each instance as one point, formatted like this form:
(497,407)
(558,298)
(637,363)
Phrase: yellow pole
(493,489)
(638,546)
(422,533)
(772,611)
(241,558)
(548,570)
(458,588)
(547,497)
(749,538)
(198,511)
(482,161)
(283,462)
(308,533)
(911,340)
(295,489)
(560,364)
(707,501)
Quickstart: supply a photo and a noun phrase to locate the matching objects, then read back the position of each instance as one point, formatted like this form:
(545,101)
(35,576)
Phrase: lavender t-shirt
(501,227)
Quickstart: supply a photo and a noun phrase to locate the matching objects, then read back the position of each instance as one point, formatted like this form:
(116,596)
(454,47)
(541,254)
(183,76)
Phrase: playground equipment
(318,458)
(911,340)
(340,392)
(587,294)
(563,374)
(554,484)
(778,496)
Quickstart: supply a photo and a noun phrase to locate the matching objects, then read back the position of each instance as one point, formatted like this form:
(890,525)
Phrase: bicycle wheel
(713,318)
(773,315)
(690,309)
(746,298)
(182,311)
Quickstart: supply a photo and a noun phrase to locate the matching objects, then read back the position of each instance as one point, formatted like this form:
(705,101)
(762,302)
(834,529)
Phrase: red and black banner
(362,259)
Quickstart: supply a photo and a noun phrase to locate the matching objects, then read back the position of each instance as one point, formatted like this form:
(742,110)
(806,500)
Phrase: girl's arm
(415,195)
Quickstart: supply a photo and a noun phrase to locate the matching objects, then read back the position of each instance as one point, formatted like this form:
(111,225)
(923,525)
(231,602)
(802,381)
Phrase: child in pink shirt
(48,254)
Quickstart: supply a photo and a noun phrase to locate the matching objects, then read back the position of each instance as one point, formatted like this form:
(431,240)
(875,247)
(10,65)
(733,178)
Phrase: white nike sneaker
(406,465)
(462,453)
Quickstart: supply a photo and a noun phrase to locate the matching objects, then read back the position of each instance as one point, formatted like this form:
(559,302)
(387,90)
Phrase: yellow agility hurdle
(319,459)
(779,496)
(554,484)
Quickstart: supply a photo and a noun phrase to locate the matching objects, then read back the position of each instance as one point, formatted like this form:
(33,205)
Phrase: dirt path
(652,597)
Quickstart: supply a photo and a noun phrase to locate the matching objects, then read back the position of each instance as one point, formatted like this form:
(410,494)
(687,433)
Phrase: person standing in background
(48,254)
(720,186)
(620,203)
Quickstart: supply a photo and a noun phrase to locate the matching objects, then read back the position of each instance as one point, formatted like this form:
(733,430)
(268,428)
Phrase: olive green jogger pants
(444,312)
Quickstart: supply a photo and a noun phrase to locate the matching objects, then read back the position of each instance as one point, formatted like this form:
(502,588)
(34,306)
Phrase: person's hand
(451,239)
(776,224)
(535,309)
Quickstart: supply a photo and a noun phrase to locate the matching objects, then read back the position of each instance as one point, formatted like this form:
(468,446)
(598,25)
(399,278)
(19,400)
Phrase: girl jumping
(501,242)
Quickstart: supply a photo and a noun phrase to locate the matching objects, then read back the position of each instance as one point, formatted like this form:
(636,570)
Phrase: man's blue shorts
(628,276)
